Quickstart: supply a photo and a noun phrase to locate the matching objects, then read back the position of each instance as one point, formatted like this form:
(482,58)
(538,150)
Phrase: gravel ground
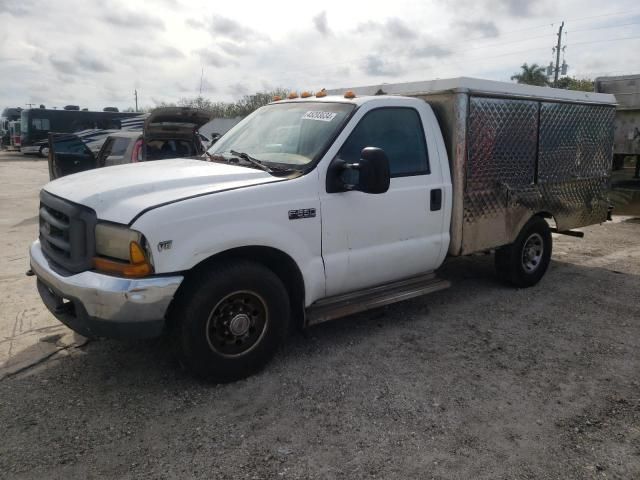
(479,381)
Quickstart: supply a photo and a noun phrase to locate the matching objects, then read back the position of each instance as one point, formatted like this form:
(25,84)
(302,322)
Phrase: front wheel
(231,320)
(525,261)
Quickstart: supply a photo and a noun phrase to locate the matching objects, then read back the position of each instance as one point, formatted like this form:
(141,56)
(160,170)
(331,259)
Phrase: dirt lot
(478,381)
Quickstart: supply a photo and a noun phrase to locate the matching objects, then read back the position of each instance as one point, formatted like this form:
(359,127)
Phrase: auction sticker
(318,115)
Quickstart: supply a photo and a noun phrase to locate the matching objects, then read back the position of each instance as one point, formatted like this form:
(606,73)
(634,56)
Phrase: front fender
(202,227)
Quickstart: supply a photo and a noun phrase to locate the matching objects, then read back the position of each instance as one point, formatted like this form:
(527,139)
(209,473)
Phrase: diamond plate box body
(514,157)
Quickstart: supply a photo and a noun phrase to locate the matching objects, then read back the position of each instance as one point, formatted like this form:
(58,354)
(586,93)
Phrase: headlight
(121,250)
(113,240)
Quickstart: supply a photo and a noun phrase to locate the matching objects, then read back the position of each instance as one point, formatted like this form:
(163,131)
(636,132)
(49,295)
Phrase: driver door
(370,239)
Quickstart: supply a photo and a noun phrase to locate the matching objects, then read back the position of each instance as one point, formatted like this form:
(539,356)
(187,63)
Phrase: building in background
(627,127)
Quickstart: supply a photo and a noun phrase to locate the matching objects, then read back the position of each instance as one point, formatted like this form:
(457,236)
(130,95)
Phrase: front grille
(67,233)
(54,230)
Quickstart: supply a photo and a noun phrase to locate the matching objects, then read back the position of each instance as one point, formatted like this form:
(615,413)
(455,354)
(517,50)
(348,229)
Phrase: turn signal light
(138,265)
(349,94)
(292,95)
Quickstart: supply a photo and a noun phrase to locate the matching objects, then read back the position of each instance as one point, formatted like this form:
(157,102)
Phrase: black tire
(229,321)
(525,261)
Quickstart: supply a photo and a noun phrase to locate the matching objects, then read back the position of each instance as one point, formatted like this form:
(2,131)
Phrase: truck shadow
(476,300)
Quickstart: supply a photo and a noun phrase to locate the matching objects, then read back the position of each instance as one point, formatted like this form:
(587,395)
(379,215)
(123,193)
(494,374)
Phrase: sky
(96,53)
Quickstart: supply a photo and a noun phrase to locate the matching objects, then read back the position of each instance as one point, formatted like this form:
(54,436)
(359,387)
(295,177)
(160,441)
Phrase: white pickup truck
(317,207)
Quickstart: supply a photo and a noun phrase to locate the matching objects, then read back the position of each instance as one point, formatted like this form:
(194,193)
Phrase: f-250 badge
(302,213)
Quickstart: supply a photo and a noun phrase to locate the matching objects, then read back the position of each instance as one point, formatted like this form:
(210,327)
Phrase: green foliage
(572,83)
(241,108)
(532,74)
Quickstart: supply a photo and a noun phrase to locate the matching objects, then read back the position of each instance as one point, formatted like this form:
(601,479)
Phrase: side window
(41,124)
(119,146)
(396,130)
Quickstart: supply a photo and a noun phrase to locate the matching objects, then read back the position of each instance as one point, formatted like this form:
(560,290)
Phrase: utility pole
(135,94)
(30,105)
(557,69)
(201,78)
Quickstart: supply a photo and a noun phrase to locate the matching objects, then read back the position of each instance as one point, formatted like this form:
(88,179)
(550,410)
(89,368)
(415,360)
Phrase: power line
(606,40)
(604,27)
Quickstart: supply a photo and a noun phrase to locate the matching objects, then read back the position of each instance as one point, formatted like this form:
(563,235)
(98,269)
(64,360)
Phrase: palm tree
(531,75)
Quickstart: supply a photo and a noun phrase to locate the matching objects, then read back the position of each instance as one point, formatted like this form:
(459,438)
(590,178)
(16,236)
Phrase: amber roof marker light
(321,93)
(306,95)
(293,95)
(349,94)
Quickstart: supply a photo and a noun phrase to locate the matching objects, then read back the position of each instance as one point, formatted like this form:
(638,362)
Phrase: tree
(531,75)
(241,108)
(572,83)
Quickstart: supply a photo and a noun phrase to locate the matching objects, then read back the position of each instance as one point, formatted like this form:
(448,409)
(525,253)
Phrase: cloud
(18,8)
(237,89)
(129,19)
(81,60)
(400,29)
(146,51)
(234,49)
(195,23)
(213,59)
(219,26)
(374,65)
(514,8)
(394,27)
(321,24)
(90,62)
(431,51)
(61,65)
(486,29)
(518,8)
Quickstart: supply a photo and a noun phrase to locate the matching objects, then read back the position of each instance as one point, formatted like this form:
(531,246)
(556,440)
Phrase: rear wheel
(525,261)
(231,320)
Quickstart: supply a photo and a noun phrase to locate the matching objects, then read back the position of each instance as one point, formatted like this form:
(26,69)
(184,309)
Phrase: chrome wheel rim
(237,323)
(532,252)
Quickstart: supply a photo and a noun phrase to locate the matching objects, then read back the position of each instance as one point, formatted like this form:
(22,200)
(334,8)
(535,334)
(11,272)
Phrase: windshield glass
(293,134)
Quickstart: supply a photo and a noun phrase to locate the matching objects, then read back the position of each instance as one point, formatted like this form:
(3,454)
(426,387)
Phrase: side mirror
(373,173)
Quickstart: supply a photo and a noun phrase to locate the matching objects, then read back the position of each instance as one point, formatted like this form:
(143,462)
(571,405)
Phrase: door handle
(436,199)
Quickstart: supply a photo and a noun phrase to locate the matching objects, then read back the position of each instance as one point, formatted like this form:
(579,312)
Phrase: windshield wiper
(258,163)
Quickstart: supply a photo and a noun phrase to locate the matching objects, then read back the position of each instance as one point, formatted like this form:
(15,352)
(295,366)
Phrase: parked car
(170,132)
(315,208)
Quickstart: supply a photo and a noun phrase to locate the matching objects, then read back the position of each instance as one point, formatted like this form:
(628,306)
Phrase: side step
(354,302)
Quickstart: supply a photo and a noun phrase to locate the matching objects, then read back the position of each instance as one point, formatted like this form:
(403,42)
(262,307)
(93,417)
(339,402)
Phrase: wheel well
(547,216)
(275,260)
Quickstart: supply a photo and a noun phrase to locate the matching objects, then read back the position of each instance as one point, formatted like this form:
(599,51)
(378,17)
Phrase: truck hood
(120,193)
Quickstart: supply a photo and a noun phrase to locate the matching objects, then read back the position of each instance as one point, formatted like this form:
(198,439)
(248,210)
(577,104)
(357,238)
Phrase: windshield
(293,134)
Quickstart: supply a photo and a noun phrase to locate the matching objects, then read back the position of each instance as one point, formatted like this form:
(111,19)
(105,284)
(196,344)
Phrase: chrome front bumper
(98,305)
